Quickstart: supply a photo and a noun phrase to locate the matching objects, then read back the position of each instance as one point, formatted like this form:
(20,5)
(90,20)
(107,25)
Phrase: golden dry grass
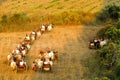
(42,7)
(71,43)
(39,12)
(38,8)
(51,11)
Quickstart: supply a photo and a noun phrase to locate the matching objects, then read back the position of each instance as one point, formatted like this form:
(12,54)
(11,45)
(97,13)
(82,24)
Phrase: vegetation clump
(108,57)
(110,12)
(17,18)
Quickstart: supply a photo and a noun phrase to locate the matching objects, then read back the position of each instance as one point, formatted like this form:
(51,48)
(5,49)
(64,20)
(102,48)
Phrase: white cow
(39,63)
(49,28)
(42,28)
(51,55)
(47,61)
(9,56)
(27,37)
(103,43)
(39,33)
(28,46)
(13,65)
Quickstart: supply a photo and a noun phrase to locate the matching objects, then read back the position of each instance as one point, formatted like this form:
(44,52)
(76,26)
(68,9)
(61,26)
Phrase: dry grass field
(24,15)
(70,41)
(41,7)
(39,11)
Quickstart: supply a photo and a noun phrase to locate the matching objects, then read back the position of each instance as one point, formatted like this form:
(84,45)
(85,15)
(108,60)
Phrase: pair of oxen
(44,61)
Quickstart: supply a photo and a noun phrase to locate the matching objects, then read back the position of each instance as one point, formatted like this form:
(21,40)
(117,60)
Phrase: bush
(112,33)
(114,12)
(19,17)
(117,69)
(4,20)
(118,25)
(109,62)
(108,56)
(117,65)
(15,22)
(109,12)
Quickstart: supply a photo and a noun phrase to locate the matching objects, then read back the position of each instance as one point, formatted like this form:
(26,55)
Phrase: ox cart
(21,65)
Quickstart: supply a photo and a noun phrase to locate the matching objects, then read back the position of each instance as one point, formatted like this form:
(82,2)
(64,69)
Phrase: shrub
(108,56)
(4,20)
(109,76)
(117,70)
(112,33)
(109,12)
(114,12)
(117,65)
(109,61)
(19,17)
(14,22)
(118,25)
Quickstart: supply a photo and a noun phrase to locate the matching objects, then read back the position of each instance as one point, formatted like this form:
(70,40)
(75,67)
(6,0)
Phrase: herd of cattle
(17,58)
(45,59)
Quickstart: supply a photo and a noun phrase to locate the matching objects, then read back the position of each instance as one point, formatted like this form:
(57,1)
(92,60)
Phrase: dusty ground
(71,43)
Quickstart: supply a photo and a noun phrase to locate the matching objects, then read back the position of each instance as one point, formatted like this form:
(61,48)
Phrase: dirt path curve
(71,43)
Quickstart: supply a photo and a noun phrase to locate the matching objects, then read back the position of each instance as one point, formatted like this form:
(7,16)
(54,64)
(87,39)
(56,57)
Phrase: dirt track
(71,43)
